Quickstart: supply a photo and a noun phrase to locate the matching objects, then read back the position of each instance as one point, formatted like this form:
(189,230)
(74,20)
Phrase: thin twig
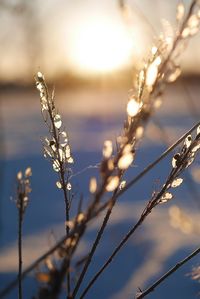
(62,171)
(93,280)
(156,197)
(22,198)
(20,218)
(95,244)
(167,274)
(189,181)
(153,164)
(54,132)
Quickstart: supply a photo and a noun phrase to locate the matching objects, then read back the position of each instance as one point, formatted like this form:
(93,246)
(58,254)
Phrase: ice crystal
(133,107)
(177,182)
(107,149)
(166,197)
(112,184)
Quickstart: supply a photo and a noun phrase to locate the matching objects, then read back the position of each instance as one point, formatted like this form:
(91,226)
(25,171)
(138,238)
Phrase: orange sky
(84,37)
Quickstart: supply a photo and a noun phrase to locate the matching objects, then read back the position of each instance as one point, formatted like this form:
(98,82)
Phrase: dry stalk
(23,190)
(58,151)
(143,294)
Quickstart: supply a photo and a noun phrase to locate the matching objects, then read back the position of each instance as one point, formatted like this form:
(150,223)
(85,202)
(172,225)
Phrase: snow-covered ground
(91,117)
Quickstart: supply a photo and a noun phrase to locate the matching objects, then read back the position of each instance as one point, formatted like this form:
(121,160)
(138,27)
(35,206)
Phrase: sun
(100,45)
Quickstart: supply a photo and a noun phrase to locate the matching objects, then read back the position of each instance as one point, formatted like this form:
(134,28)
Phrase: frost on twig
(159,69)
(180,162)
(58,151)
(22,198)
(23,190)
(56,147)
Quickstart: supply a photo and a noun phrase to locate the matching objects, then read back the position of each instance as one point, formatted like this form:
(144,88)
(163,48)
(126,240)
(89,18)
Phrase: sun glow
(100,45)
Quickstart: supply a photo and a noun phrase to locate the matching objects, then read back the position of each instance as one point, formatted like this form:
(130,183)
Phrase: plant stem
(67,227)
(149,207)
(62,177)
(20,216)
(167,274)
(93,280)
(96,242)
(158,160)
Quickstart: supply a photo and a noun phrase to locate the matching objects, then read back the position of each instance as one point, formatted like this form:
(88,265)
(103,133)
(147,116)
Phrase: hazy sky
(62,36)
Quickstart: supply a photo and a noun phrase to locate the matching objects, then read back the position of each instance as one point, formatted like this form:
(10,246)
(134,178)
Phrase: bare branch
(167,274)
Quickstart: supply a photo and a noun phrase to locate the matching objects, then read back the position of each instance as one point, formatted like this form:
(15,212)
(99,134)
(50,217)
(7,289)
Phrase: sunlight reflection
(100,45)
